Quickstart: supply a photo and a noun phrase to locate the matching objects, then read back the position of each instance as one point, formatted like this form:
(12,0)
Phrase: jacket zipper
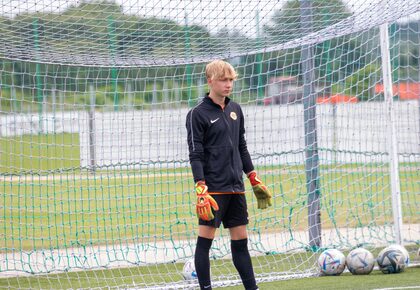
(232,168)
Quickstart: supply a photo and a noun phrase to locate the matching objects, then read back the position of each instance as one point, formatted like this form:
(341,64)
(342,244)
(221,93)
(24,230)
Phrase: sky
(215,14)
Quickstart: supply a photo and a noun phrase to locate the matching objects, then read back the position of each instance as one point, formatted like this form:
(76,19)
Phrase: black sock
(242,261)
(202,262)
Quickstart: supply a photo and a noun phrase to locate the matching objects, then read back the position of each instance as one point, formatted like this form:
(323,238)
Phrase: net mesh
(95,184)
(101,33)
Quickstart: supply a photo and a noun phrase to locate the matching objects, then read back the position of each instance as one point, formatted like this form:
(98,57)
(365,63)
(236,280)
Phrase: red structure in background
(405,91)
(336,99)
(287,90)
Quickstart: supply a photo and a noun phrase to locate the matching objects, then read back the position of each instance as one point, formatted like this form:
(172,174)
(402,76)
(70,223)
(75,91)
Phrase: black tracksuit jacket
(217,148)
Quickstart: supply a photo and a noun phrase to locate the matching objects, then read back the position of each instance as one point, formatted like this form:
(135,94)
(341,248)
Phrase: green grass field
(38,153)
(79,209)
(376,280)
(49,202)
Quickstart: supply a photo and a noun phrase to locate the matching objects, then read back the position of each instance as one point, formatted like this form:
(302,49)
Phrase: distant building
(287,90)
(283,90)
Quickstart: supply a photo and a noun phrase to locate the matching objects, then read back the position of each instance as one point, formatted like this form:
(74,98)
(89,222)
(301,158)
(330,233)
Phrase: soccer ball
(391,260)
(188,271)
(360,261)
(404,251)
(332,262)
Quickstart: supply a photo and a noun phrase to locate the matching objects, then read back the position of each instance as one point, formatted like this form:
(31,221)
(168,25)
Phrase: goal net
(95,185)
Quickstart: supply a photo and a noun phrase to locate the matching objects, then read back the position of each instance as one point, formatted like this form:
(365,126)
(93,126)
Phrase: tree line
(348,63)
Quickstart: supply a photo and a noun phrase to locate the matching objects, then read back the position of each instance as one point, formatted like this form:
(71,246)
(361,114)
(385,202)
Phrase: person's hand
(204,202)
(261,191)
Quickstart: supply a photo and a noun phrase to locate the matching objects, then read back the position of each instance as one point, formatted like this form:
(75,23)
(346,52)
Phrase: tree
(361,83)
(285,24)
(343,51)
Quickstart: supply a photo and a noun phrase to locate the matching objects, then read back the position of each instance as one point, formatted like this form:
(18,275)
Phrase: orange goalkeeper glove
(204,202)
(261,191)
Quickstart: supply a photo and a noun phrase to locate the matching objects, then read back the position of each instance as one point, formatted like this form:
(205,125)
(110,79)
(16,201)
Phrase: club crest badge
(233,115)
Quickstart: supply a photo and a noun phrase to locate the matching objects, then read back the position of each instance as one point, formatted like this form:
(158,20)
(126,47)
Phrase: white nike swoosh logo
(215,120)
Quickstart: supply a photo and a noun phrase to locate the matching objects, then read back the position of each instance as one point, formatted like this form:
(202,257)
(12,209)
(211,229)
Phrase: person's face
(221,87)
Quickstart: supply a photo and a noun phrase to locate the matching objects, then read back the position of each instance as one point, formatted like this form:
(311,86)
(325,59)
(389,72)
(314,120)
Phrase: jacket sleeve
(195,137)
(243,149)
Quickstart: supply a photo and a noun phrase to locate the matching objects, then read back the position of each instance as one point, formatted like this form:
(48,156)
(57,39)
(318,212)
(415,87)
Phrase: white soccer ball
(188,271)
(404,251)
(391,260)
(332,262)
(360,261)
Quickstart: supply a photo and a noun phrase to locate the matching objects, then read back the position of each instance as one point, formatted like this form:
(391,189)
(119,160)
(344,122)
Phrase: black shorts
(232,211)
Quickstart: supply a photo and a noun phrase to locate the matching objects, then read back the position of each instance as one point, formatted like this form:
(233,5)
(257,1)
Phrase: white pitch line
(395,288)
(44,261)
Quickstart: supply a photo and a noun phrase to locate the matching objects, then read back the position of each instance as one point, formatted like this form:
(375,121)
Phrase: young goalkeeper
(219,156)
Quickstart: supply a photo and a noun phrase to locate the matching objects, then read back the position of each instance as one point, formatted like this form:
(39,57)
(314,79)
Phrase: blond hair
(218,69)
